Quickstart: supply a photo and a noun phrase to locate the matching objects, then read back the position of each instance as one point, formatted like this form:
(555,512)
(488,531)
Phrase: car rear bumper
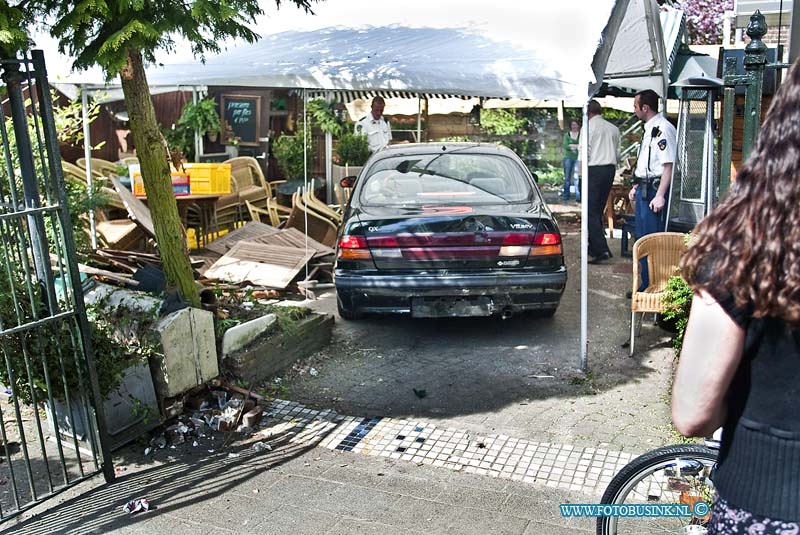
(394,293)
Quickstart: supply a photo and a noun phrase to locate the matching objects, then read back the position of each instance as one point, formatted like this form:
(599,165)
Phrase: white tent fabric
(528,55)
(630,58)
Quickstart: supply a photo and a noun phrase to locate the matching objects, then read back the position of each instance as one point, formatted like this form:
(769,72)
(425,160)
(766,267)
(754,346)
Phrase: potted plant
(202,117)
(352,149)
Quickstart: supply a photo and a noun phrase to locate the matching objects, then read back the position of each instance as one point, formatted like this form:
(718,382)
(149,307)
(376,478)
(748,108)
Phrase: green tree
(121,36)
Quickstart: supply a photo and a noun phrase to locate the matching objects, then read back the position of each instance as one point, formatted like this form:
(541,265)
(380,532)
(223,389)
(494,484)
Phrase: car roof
(404,149)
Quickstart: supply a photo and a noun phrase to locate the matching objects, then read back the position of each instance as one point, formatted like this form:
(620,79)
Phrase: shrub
(352,149)
(288,150)
(51,346)
(678,303)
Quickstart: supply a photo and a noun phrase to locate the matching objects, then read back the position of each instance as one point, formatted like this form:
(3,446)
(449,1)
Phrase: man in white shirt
(375,126)
(602,160)
(653,173)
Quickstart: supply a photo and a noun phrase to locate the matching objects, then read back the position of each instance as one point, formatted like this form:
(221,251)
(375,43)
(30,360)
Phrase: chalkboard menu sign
(242,114)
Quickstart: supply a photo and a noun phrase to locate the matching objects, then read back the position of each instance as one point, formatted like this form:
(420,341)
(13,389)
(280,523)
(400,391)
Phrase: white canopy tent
(544,50)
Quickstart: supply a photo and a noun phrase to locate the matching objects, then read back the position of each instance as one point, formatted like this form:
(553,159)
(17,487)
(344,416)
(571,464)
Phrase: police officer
(375,126)
(653,173)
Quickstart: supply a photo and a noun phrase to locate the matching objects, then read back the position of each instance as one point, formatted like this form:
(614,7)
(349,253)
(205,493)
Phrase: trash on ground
(261,446)
(134,506)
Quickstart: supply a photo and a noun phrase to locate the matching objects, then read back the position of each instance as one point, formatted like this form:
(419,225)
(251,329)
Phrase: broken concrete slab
(188,353)
(241,335)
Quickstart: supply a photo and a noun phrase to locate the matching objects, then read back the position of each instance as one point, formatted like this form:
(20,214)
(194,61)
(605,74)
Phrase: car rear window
(452,178)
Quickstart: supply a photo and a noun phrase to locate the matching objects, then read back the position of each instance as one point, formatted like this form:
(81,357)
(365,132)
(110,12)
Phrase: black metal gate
(755,65)
(45,343)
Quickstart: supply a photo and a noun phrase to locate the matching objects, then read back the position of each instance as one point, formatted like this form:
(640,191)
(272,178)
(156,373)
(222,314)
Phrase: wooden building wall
(738,129)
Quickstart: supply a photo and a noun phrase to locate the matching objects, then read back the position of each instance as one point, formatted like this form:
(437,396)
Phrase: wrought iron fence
(45,344)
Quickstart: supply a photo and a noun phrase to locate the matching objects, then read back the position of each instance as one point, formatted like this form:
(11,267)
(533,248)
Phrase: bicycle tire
(634,474)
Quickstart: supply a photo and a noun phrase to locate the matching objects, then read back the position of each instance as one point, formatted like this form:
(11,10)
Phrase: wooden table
(206,208)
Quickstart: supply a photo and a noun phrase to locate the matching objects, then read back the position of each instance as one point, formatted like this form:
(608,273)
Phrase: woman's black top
(759,462)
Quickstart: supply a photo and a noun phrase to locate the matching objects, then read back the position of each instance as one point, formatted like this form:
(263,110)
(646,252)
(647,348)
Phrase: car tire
(346,312)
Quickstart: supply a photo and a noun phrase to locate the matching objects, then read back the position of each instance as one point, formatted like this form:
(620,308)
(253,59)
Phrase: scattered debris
(420,393)
(134,506)
(313,372)
(261,446)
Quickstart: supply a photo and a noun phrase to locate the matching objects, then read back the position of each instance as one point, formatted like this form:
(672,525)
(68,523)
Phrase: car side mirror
(348,182)
(535,177)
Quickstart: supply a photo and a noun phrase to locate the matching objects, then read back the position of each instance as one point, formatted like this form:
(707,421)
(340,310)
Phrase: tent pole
(305,172)
(198,143)
(329,160)
(584,237)
(419,119)
(87,153)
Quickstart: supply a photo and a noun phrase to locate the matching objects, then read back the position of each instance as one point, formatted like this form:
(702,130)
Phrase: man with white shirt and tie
(375,126)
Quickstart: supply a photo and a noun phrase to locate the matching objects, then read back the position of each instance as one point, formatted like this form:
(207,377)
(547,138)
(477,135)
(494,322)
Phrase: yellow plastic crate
(209,178)
(179,183)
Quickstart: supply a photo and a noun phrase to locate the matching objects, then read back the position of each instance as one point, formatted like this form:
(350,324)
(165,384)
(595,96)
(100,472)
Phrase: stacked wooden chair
(99,166)
(308,217)
(116,233)
(247,185)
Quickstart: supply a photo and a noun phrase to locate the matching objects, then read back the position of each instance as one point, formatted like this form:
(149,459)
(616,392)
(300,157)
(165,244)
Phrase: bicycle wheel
(678,474)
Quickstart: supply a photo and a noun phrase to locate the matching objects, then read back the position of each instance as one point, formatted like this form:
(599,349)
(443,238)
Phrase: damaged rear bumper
(450,294)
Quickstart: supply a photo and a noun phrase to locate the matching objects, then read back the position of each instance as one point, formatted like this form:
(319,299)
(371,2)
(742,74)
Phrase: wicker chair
(247,184)
(272,213)
(311,201)
(73,173)
(114,233)
(103,167)
(319,228)
(663,251)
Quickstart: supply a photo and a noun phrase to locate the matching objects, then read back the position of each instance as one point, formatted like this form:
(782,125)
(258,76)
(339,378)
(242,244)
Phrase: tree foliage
(704,20)
(13,36)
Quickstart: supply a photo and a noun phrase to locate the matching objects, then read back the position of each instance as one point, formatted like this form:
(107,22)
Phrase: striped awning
(347,96)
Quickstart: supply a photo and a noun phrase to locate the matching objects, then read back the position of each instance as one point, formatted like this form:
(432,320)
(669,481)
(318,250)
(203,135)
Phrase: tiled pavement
(332,474)
(562,466)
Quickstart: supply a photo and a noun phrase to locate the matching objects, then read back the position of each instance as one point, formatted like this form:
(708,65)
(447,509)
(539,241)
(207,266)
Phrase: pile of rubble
(255,255)
(213,415)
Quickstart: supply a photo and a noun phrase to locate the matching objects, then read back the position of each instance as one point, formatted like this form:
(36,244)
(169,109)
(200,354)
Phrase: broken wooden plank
(268,265)
(137,210)
(292,237)
(252,231)
(110,275)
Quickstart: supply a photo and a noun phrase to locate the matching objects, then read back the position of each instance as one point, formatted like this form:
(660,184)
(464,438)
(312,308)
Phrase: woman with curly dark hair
(740,363)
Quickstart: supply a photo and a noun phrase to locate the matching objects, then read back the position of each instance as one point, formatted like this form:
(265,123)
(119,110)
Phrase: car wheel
(346,312)
(544,312)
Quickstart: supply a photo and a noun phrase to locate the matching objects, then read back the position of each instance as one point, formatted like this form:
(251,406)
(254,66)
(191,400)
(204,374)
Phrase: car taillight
(546,243)
(353,248)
